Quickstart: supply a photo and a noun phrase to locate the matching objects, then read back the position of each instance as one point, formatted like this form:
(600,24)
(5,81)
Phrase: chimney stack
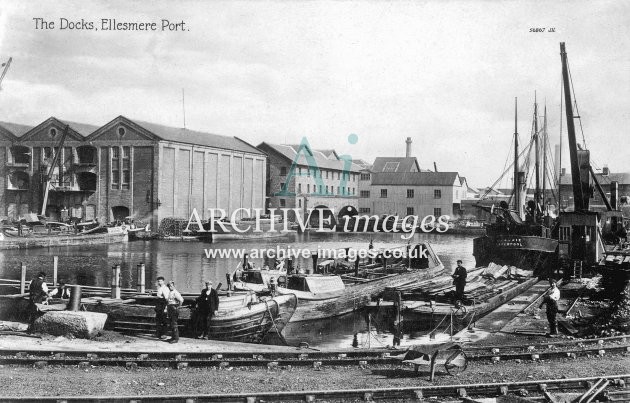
(408,153)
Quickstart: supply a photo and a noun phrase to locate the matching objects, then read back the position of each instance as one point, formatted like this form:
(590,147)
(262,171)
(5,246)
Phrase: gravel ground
(73,381)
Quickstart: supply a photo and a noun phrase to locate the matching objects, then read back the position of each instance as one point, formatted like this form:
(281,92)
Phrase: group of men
(169,302)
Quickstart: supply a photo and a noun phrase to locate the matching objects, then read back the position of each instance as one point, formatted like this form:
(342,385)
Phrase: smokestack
(435,166)
(614,192)
(408,153)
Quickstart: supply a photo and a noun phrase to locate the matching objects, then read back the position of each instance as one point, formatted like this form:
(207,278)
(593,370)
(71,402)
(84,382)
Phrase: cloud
(443,73)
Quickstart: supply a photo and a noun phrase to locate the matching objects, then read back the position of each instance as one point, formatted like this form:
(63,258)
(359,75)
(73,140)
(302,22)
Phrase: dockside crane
(4,70)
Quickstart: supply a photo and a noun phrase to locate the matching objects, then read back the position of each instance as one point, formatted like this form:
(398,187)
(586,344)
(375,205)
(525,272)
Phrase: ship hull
(525,252)
(357,296)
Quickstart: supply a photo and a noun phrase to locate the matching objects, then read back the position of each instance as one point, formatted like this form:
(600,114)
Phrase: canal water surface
(188,264)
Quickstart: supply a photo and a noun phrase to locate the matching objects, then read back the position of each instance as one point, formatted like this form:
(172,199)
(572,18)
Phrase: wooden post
(23,279)
(116,281)
(55,264)
(141,278)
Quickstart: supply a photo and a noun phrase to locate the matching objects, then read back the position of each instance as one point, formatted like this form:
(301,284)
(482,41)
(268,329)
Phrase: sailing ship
(520,236)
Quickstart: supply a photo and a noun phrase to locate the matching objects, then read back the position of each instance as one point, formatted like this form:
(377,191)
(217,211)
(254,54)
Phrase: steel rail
(368,394)
(197,359)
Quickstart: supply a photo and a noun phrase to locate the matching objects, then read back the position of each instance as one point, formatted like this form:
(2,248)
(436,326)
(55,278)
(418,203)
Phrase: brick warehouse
(127,168)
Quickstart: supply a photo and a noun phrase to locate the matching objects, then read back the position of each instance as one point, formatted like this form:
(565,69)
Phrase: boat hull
(32,242)
(526,252)
(244,323)
(357,296)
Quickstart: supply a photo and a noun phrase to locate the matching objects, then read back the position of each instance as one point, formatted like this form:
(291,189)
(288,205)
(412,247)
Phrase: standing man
(207,305)
(174,301)
(551,300)
(459,280)
(160,307)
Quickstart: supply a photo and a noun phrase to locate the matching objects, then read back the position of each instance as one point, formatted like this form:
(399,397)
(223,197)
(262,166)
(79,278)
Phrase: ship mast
(517,192)
(537,164)
(544,153)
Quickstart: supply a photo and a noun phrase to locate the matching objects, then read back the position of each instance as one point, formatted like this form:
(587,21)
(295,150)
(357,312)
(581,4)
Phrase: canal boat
(432,300)
(336,290)
(241,317)
(55,234)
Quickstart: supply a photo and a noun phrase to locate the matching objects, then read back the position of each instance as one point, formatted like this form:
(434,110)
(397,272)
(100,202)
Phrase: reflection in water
(187,264)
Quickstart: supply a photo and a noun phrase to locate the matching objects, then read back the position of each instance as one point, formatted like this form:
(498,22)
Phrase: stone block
(82,325)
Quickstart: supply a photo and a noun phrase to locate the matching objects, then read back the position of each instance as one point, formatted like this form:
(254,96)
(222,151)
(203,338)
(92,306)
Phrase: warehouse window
(126,164)
(283,171)
(437,194)
(115,167)
(437,212)
(410,193)
(283,203)
(364,210)
(365,194)
(409,210)
(365,177)
(384,193)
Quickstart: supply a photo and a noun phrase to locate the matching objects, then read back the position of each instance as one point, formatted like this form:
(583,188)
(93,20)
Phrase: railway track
(613,390)
(306,357)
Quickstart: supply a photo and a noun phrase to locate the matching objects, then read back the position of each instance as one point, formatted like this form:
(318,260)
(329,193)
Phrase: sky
(444,73)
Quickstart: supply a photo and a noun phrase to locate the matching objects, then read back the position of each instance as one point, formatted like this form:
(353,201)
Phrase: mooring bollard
(74,304)
(141,278)
(116,281)
(55,264)
(23,279)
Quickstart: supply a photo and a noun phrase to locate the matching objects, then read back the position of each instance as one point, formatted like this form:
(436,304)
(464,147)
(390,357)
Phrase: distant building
(397,186)
(596,202)
(328,184)
(126,168)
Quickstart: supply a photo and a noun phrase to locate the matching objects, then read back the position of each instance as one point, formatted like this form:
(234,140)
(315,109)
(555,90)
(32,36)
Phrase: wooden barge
(342,289)
(243,317)
(427,301)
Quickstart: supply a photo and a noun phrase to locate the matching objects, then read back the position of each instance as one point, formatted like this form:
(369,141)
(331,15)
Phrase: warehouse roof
(415,178)
(182,135)
(323,161)
(395,164)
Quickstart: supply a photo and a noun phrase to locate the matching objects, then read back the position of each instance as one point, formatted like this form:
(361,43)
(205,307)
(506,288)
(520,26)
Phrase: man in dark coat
(459,280)
(207,305)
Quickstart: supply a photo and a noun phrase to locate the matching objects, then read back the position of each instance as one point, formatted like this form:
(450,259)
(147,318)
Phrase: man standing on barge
(459,280)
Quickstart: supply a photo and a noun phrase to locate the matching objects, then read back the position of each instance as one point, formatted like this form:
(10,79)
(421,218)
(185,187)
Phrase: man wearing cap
(459,280)
(160,308)
(207,305)
(38,294)
(174,301)
(551,300)
(38,290)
